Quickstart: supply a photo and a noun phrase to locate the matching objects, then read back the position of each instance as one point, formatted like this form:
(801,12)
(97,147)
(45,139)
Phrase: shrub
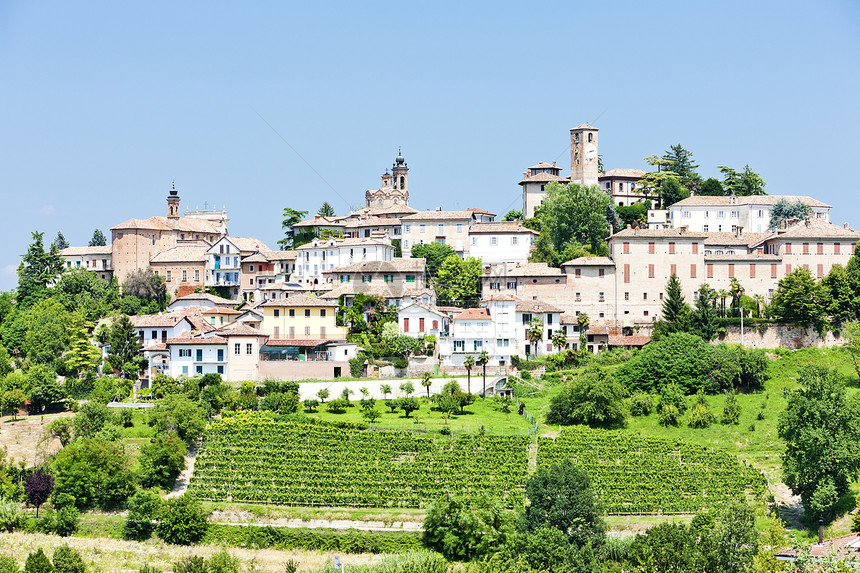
(337,406)
(400,363)
(161,460)
(311,405)
(672,395)
(38,562)
(679,358)
(356,365)
(191,564)
(669,415)
(124,417)
(731,410)
(641,404)
(94,473)
(143,506)
(701,416)
(66,520)
(183,521)
(594,399)
(180,415)
(223,562)
(67,560)
(11,516)
(8,565)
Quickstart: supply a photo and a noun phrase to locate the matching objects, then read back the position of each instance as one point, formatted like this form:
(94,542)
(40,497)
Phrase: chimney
(683,230)
(820,532)
(438,208)
(525,174)
(553,163)
(845,225)
(739,232)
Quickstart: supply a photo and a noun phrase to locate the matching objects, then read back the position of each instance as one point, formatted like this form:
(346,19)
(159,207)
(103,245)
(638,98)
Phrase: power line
(303,159)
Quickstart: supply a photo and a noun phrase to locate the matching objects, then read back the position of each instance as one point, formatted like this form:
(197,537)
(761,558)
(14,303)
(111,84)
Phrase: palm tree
(722,295)
(482,360)
(468,364)
(582,321)
(385,389)
(736,291)
(425,381)
(535,334)
(559,339)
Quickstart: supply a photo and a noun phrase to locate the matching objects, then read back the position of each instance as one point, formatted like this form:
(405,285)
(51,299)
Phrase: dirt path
(180,486)
(789,505)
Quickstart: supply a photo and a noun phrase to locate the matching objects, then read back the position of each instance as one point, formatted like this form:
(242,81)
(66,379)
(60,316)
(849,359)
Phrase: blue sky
(104,104)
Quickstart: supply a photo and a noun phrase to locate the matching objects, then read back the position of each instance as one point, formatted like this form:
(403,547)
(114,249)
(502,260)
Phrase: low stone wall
(772,336)
(301,370)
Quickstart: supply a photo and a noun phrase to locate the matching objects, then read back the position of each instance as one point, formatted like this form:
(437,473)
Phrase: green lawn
(482,413)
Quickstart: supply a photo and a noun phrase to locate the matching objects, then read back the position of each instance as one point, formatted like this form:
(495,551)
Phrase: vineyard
(634,474)
(253,458)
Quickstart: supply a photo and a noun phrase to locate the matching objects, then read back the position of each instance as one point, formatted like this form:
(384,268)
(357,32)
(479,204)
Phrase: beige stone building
(136,241)
(623,185)
(394,189)
(183,268)
(94,259)
(399,281)
(447,227)
(300,317)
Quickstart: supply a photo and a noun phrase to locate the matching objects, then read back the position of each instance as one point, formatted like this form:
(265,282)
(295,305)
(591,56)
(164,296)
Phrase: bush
(143,506)
(8,565)
(594,399)
(669,415)
(356,365)
(11,516)
(38,562)
(672,395)
(641,404)
(181,415)
(67,560)
(731,410)
(400,363)
(191,564)
(124,417)
(66,521)
(161,460)
(337,406)
(701,416)
(94,473)
(310,539)
(183,521)
(311,405)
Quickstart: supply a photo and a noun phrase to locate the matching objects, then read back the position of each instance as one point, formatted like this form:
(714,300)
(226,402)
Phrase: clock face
(590,152)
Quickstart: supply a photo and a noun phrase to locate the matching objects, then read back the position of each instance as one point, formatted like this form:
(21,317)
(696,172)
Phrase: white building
(447,227)
(419,320)
(201,299)
(535,180)
(224,261)
(503,242)
(197,354)
(94,259)
(321,255)
(725,214)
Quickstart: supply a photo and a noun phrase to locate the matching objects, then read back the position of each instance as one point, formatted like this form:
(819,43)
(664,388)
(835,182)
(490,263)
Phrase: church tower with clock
(583,155)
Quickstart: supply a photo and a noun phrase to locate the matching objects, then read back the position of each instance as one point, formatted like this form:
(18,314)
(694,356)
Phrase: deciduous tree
(577,213)
(797,299)
(459,280)
(435,254)
(821,429)
(291,217)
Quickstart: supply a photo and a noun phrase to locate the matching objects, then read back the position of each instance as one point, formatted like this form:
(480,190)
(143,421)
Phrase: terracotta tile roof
(590,261)
(569,318)
(585,126)
(220,310)
(726,200)
(630,173)
(81,251)
(372,222)
(814,228)
(154,223)
(426,307)
(543,178)
(733,239)
(523,270)
(638,341)
(168,320)
(395,265)
(240,330)
(500,297)
(501,227)
(438,216)
(480,211)
(205,296)
(186,338)
(681,232)
(281,255)
(181,254)
(319,221)
(474,314)
(535,306)
(248,243)
(257,257)
(598,329)
(155,348)
(298,300)
(545,165)
(384,290)
(845,547)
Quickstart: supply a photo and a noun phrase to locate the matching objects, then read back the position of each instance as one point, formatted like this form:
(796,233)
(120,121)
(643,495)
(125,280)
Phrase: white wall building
(321,255)
(190,355)
(419,320)
(503,242)
(726,213)
(94,259)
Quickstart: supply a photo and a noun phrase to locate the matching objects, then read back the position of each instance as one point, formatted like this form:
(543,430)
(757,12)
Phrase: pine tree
(703,321)
(38,269)
(60,242)
(124,344)
(676,311)
(98,239)
(326,210)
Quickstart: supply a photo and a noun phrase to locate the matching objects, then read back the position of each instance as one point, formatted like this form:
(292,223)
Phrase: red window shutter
(709,270)
(626,273)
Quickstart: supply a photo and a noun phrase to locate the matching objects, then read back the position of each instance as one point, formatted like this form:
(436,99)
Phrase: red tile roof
(474,314)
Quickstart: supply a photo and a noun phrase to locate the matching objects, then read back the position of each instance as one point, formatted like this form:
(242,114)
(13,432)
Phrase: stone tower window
(590,135)
(402,182)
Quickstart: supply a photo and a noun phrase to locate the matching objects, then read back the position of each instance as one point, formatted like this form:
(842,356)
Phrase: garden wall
(779,335)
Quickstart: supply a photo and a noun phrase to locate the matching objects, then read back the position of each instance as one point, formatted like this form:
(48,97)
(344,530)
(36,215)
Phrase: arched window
(589,137)
(402,182)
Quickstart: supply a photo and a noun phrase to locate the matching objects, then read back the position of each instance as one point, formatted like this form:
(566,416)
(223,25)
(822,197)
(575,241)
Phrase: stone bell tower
(583,155)
(173,204)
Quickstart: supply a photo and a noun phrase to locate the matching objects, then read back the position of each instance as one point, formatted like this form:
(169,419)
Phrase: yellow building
(300,317)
